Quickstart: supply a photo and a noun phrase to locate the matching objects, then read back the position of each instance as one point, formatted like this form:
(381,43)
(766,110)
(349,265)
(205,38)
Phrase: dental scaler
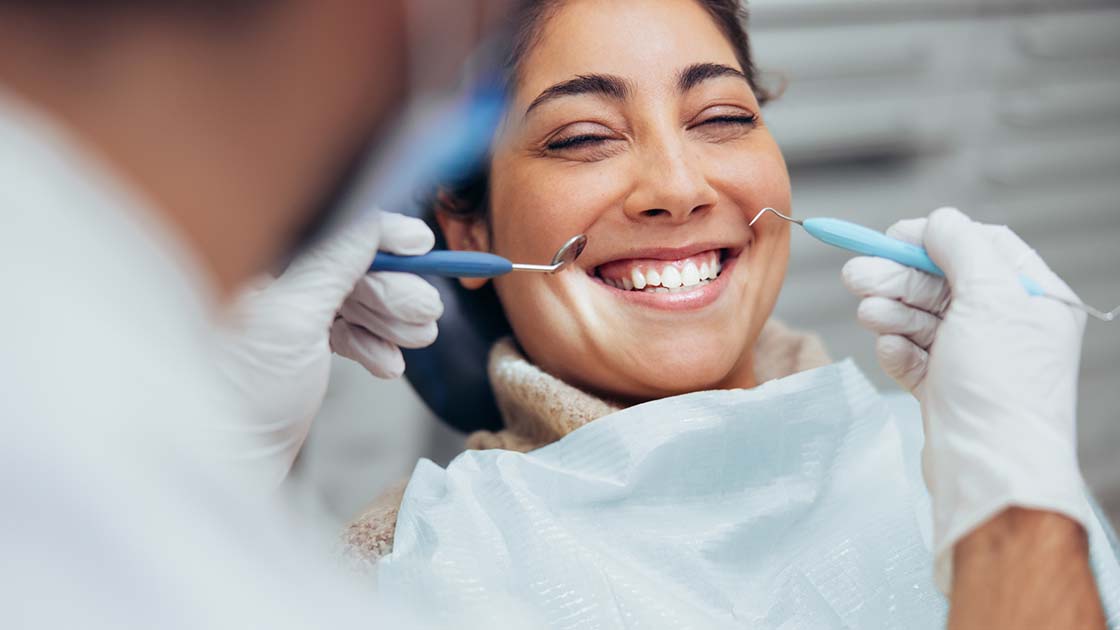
(862,240)
(453,264)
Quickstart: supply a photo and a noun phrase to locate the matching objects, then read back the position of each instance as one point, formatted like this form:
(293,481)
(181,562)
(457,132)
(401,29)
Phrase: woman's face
(633,124)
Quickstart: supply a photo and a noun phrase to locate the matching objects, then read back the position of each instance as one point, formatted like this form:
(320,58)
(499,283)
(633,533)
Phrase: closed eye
(744,119)
(575,141)
(589,140)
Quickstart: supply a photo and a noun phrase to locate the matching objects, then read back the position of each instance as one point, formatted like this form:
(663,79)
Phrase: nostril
(655,212)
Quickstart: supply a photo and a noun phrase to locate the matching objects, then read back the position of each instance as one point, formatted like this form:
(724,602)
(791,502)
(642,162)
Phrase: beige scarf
(538,409)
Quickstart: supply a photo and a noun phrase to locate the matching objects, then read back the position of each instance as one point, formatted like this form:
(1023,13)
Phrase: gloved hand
(995,371)
(276,350)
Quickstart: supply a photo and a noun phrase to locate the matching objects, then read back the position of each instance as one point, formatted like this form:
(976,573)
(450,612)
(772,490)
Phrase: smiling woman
(639,124)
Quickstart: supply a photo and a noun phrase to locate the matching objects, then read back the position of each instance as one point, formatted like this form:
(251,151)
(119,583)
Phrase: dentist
(156,160)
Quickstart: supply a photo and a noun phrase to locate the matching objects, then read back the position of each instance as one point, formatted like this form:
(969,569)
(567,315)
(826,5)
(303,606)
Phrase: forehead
(646,42)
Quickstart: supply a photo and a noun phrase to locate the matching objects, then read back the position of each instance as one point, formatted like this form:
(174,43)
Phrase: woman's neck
(538,408)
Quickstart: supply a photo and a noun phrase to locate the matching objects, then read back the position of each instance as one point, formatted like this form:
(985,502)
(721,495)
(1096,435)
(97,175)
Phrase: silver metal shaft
(536,268)
(773,211)
(1091,311)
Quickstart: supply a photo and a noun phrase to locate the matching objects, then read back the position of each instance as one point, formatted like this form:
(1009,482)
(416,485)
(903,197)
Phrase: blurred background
(1007,109)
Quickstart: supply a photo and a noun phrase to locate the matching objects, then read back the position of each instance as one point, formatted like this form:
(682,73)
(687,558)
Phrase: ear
(465,235)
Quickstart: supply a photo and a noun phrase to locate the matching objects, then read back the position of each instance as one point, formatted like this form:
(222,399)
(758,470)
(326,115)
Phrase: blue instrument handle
(449,264)
(862,240)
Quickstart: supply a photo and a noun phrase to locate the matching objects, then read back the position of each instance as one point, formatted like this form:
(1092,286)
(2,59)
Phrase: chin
(682,366)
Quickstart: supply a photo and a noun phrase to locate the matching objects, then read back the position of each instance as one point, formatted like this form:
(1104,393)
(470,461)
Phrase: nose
(670,186)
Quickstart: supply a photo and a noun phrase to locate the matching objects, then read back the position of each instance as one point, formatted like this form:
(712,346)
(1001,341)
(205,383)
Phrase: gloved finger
(909,230)
(379,357)
(902,360)
(324,275)
(413,336)
(399,333)
(378,324)
(891,317)
(1026,261)
(964,251)
(401,296)
(405,236)
(867,276)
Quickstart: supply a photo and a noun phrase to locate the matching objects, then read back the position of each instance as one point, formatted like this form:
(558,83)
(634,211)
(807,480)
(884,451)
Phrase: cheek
(539,204)
(771,258)
(754,178)
(547,325)
(535,207)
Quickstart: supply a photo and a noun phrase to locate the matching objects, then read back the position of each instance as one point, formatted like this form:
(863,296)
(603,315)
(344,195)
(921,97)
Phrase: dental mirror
(566,255)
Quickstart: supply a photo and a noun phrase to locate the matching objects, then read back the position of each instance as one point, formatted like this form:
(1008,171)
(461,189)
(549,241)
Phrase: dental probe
(453,264)
(862,240)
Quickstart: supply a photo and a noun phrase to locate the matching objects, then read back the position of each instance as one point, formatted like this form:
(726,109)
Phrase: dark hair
(469,197)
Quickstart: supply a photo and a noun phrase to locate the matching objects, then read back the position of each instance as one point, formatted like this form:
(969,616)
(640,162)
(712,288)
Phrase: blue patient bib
(797,504)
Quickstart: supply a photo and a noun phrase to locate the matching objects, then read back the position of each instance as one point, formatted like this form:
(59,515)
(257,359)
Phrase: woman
(659,153)
(639,124)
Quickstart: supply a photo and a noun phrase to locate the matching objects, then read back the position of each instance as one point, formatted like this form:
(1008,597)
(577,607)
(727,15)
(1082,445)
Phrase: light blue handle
(862,240)
(445,263)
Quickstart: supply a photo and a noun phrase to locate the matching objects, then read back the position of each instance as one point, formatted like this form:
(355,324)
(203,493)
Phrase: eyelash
(574,141)
(747,120)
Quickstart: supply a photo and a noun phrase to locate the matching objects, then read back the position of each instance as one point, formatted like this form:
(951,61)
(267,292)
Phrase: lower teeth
(677,290)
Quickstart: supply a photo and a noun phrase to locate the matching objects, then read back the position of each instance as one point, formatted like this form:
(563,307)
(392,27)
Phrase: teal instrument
(862,240)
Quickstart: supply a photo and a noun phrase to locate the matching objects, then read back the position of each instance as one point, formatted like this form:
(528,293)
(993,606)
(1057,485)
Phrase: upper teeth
(670,276)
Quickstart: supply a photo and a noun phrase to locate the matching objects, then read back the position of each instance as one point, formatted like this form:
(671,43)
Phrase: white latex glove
(276,352)
(995,371)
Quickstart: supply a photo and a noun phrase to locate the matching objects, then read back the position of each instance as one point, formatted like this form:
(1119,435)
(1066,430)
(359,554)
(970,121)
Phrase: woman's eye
(746,120)
(572,142)
(583,141)
(725,126)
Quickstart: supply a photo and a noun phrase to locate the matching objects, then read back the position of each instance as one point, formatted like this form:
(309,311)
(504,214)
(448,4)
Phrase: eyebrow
(606,85)
(616,88)
(697,73)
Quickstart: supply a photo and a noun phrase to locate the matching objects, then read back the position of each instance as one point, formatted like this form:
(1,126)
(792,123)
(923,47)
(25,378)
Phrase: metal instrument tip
(1107,317)
(1096,313)
(566,255)
(772,211)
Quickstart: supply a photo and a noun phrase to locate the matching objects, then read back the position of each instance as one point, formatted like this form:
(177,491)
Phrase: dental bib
(798,504)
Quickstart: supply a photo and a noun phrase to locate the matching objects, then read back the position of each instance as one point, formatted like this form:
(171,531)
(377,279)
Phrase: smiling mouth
(664,276)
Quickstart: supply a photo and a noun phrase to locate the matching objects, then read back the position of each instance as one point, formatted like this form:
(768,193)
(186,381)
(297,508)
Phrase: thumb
(909,230)
(964,251)
(1026,261)
(321,278)
(404,235)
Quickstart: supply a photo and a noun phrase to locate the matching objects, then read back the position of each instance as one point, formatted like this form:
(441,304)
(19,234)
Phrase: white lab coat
(118,507)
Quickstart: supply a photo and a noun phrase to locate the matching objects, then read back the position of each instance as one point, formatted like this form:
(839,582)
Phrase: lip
(668,254)
(683,300)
